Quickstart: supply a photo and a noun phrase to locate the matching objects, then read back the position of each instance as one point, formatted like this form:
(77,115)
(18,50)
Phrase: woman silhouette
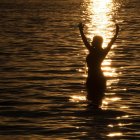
(96,82)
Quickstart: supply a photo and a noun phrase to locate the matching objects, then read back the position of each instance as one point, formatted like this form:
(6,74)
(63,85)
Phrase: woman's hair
(97,41)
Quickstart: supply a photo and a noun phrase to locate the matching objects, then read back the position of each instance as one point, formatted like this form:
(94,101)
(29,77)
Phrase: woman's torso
(94,60)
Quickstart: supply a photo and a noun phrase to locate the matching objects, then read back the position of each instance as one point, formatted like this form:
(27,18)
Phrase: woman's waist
(96,78)
(95,73)
(94,70)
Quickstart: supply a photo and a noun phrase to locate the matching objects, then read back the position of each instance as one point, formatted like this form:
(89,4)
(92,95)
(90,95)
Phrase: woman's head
(97,41)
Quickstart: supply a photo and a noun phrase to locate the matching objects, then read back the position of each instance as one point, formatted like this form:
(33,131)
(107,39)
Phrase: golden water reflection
(114,134)
(76,98)
(105,102)
(99,17)
(99,14)
(108,101)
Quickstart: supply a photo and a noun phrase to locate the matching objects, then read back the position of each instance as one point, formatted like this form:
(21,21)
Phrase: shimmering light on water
(42,70)
(100,19)
(100,23)
(115,134)
(124,107)
(108,101)
(113,99)
(75,98)
(126,116)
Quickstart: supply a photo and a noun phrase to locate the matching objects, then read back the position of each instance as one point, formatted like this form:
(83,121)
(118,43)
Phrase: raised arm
(107,49)
(81,26)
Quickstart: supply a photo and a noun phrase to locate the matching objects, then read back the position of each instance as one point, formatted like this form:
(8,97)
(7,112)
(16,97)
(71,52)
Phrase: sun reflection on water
(76,98)
(100,20)
(107,101)
(114,134)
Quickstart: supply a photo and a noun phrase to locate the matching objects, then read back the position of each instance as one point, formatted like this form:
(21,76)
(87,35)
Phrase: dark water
(42,68)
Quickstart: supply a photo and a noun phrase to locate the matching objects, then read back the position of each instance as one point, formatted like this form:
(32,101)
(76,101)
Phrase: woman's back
(94,60)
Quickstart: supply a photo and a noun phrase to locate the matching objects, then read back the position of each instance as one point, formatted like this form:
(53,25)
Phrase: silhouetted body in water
(96,81)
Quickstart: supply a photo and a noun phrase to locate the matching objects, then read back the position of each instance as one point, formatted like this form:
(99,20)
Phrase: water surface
(42,70)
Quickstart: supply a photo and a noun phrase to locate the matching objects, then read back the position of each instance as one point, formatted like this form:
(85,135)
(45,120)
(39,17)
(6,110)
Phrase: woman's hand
(81,26)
